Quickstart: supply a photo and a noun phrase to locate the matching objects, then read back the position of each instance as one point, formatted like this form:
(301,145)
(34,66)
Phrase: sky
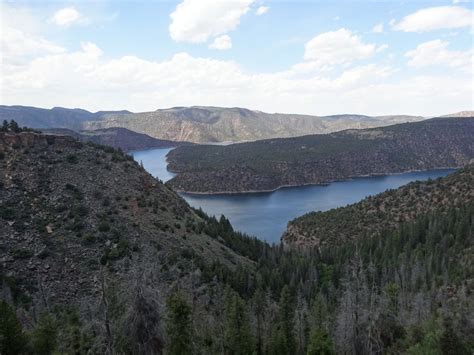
(315,57)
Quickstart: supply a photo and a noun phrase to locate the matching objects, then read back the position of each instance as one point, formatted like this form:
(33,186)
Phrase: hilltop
(317,159)
(198,124)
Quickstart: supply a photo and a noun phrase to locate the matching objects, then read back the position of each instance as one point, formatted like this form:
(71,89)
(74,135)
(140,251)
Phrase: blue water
(266,214)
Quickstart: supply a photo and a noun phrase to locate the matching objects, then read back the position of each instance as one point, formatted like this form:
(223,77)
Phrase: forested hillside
(99,257)
(384,211)
(316,159)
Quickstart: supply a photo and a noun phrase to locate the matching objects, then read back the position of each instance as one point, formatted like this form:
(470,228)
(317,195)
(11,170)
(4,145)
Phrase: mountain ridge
(198,124)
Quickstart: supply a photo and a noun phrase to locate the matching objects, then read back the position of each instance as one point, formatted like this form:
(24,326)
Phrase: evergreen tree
(449,342)
(238,336)
(319,342)
(45,335)
(259,310)
(178,325)
(283,337)
(4,126)
(12,338)
(13,126)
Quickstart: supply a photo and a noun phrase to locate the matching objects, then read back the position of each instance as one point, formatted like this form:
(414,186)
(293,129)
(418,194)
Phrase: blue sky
(315,57)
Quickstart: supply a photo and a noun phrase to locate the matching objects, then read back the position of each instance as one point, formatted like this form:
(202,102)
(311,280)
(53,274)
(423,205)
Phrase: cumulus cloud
(436,52)
(378,28)
(261,10)
(435,18)
(196,21)
(222,42)
(337,47)
(67,16)
(86,77)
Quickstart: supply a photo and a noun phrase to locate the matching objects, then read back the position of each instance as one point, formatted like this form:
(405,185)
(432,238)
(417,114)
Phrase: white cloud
(196,21)
(337,47)
(378,28)
(435,18)
(436,52)
(67,16)
(222,42)
(18,46)
(261,10)
(44,74)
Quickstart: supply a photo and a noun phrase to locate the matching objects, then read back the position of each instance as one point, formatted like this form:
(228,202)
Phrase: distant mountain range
(315,159)
(197,124)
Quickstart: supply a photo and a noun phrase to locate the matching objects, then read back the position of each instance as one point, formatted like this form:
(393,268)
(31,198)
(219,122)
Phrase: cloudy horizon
(291,57)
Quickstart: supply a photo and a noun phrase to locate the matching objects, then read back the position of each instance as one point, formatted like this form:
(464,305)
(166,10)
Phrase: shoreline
(199,193)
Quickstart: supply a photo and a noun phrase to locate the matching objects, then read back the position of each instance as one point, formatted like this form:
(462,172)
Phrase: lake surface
(266,214)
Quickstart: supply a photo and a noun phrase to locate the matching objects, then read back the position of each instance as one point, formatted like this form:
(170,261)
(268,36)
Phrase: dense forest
(99,257)
(316,159)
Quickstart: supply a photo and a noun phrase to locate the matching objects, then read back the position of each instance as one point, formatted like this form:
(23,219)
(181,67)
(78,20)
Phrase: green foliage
(237,334)
(283,337)
(13,127)
(178,325)
(320,343)
(45,334)
(13,340)
(72,159)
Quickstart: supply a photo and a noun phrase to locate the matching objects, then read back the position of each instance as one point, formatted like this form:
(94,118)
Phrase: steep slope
(98,257)
(316,159)
(69,208)
(382,212)
(117,138)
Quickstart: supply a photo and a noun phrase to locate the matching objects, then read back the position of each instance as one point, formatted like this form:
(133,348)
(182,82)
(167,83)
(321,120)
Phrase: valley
(236,177)
(97,254)
(266,214)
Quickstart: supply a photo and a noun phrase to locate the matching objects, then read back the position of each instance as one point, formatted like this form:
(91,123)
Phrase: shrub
(12,338)
(104,227)
(72,159)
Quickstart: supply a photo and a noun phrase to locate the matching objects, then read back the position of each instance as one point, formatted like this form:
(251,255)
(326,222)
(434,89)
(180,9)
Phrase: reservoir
(266,214)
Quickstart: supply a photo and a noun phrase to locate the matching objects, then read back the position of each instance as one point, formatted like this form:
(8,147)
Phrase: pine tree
(259,310)
(4,126)
(449,342)
(319,342)
(283,337)
(12,337)
(13,126)
(238,336)
(45,335)
(178,325)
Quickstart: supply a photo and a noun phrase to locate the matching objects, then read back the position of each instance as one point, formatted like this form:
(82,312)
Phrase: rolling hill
(317,159)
